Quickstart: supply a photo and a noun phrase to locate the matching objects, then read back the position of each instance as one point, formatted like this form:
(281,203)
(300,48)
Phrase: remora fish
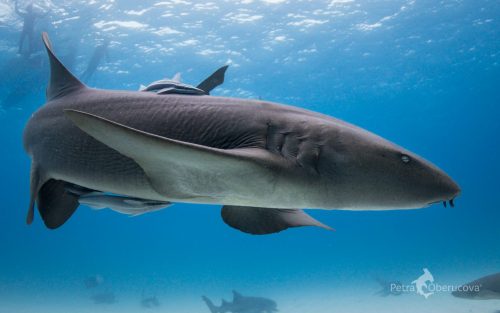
(174,85)
(262,161)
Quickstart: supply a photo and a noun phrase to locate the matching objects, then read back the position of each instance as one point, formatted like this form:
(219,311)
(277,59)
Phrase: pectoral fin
(56,200)
(55,203)
(178,169)
(261,221)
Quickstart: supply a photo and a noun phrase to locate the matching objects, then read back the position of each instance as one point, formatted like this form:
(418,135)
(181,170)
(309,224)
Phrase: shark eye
(405,158)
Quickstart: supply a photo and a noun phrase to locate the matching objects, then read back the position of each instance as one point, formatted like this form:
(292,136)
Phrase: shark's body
(484,288)
(263,161)
(243,304)
(216,122)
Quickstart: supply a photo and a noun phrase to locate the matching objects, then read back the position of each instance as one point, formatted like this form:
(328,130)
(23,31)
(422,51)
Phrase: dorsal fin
(177,77)
(236,296)
(61,82)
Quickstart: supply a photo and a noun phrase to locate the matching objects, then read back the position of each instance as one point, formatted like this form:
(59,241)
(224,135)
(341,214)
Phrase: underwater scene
(250,156)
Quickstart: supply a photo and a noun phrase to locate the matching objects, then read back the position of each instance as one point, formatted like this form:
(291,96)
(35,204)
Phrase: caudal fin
(61,82)
(211,306)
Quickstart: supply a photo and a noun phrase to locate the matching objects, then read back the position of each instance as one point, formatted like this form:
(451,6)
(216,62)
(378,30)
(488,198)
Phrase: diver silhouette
(100,52)
(29,17)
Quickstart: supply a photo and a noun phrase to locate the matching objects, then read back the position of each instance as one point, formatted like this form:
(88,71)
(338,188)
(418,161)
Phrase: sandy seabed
(345,301)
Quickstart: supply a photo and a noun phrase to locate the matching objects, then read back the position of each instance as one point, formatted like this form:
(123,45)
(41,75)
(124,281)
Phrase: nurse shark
(243,304)
(484,288)
(263,162)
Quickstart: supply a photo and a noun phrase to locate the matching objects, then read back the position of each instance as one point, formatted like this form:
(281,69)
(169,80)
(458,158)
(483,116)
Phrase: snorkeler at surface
(28,33)
(100,52)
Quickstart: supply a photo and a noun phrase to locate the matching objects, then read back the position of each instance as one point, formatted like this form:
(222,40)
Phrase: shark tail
(211,305)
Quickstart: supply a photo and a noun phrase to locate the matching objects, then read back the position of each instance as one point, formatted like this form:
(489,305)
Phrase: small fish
(104,298)
(150,302)
(93,281)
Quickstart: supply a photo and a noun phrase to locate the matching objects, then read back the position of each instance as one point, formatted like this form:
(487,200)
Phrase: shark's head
(373,173)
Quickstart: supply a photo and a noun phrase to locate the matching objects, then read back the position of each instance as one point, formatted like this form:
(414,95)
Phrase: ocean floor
(321,301)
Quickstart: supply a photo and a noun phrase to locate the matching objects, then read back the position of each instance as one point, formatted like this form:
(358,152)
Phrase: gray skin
(484,288)
(243,304)
(218,150)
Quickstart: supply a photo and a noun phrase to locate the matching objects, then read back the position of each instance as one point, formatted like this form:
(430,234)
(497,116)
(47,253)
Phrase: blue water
(424,74)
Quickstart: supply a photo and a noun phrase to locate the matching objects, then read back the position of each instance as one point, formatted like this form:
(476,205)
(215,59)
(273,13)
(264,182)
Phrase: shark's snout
(445,188)
(381,175)
(453,190)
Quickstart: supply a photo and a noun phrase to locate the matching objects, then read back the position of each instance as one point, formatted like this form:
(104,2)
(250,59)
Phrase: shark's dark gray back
(490,282)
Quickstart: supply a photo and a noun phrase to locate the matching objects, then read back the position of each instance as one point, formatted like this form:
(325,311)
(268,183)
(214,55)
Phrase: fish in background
(100,53)
(389,288)
(93,281)
(484,288)
(149,302)
(104,298)
(243,304)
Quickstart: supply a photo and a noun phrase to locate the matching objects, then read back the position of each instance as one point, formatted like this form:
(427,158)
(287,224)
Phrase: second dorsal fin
(61,82)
